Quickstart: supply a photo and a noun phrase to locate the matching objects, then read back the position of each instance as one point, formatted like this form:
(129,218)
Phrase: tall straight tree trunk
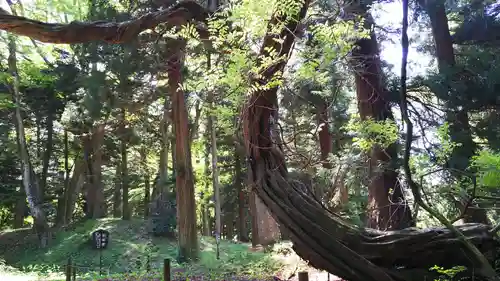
(38,121)
(238,182)
(229,224)
(147,194)
(117,193)
(165,141)
(126,213)
(174,157)
(30,183)
(96,204)
(186,205)
(253,211)
(99,200)
(458,119)
(20,210)
(204,206)
(386,211)
(47,153)
(213,151)
(147,181)
(62,200)
(205,220)
(75,187)
(215,178)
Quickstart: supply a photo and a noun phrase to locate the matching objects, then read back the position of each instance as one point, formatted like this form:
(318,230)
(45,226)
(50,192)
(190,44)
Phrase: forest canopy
(161,110)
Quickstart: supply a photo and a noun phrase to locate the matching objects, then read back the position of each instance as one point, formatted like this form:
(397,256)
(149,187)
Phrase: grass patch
(127,255)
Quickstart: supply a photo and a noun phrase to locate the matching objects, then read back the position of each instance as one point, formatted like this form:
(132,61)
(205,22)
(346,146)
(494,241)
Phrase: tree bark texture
(165,141)
(126,212)
(186,205)
(205,202)
(63,196)
(215,170)
(117,193)
(97,203)
(47,153)
(242,196)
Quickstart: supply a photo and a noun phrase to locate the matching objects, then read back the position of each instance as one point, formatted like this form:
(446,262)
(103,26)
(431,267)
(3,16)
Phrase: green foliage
(371,132)
(6,101)
(447,146)
(336,40)
(448,274)
(288,8)
(487,164)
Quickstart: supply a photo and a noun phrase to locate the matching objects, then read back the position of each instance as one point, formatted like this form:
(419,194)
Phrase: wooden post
(68,270)
(74,273)
(166,270)
(303,276)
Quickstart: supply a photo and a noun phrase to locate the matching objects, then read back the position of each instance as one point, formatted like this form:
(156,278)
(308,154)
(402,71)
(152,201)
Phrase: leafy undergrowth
(127,255)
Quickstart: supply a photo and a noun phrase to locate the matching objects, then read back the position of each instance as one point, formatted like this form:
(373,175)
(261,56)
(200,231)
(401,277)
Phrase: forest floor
(127,255)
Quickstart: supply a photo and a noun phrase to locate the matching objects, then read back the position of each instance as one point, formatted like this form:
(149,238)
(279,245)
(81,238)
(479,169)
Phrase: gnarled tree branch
(111,32)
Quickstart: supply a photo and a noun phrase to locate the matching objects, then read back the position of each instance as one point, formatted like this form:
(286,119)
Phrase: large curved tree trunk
(323,238)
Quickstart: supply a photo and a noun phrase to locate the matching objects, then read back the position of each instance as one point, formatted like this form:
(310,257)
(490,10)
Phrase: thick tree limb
(112,32)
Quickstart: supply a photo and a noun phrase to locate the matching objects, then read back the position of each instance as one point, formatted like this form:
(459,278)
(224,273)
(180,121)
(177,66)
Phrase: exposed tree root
(329,243)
